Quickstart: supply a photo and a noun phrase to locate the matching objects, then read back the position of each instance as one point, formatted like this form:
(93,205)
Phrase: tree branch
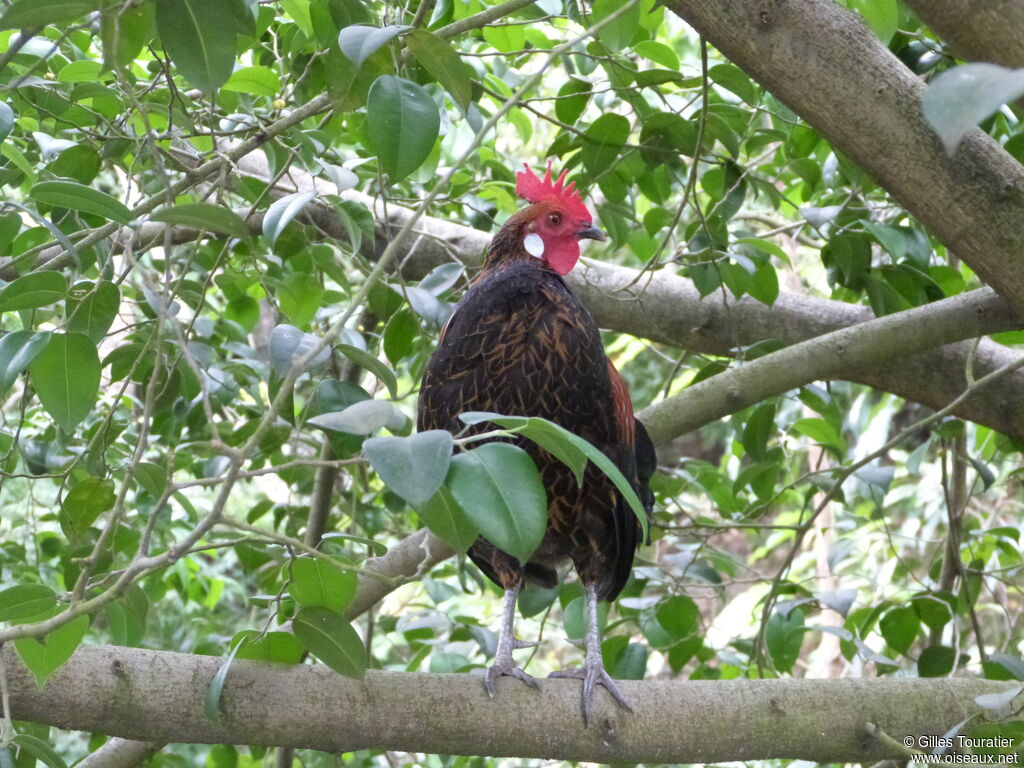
(991,32)
(829,68)
(158,696)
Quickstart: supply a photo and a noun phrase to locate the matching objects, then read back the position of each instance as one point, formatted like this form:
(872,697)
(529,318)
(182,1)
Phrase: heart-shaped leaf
(44,655)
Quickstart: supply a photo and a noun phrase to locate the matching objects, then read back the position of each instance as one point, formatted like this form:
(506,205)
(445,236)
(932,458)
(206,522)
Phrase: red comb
(531,188)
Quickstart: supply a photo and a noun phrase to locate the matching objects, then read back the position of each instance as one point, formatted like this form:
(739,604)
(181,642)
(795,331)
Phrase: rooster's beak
(591,233)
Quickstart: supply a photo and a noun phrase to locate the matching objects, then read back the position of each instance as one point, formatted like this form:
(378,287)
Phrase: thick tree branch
(158,696)
(990,31)
(826,65)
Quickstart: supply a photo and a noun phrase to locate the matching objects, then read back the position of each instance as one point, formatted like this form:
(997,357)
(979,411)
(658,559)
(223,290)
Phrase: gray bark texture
(990,31)
(825,64)
(157,696)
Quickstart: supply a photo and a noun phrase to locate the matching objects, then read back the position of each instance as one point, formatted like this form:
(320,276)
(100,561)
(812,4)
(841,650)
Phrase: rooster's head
(553,226)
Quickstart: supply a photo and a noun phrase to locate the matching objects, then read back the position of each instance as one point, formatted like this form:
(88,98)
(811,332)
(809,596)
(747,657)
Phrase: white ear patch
(534,245)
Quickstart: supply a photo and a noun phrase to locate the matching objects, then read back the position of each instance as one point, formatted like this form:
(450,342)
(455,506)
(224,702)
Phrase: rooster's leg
(593,671)
(504,664)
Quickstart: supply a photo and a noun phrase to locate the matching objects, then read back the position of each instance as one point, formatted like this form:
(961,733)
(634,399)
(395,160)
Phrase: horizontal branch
(158,696)
(824,62)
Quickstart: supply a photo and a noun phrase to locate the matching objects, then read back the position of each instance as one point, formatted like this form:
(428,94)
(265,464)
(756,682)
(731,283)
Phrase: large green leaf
(78,197)
(403,122)
(25,602)
(445,518)
(37,13)
(17,351)
(414,467)
(442,62)
(316,582)
(66,376)
(86,501)
(498,487)
(364,359)
(282,647)
(199,40)
(40,289)
(44,655)
(603,141)
(566,447)
(328,636)
(92,308)
(618,33)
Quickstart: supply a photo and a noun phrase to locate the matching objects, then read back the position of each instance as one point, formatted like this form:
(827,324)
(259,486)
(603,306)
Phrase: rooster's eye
(554,219)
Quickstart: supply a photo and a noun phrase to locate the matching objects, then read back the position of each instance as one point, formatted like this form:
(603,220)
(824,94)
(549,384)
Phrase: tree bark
(991,31)
(158,696)
(828,67)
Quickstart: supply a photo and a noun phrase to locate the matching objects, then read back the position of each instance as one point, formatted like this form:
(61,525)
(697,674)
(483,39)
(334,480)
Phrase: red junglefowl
(521,343)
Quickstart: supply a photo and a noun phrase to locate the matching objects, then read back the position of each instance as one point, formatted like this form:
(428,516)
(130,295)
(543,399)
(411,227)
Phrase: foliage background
(170,436)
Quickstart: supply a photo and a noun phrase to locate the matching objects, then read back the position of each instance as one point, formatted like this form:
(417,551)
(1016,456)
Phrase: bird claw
(506,668)
(592,675)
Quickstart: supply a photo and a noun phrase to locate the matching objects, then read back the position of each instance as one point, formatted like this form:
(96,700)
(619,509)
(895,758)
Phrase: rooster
(521,343)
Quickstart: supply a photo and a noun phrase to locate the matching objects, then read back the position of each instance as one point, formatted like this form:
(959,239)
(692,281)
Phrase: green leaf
(38,13)
(316,582)
(198,40)
(362,418)
(444,517)
(27,602)
(288,345)
(6,120)
(506,38)
(85,502)
(883,16)
(498,487)
(572,100)
(370,363)
(280,647)
(81,163)
(620,32)
(783,636)
(39,289)
(936,661)
(900,627)
(360,41)
(400,335)
(821,432)
(403,124)
(211,702)
(442,62)
(91,309)
(78,197)
(657,52)
(280,214)
(259,81)
(603,141)
(529,428)
(152,477)
(45,655)
(124,30)
(205,216)
(329,637)
(933,609)
(66,377)
(300,295)
(414,467)
(17,351)
(679,616)
(960,98)
(736,80)
(43,751)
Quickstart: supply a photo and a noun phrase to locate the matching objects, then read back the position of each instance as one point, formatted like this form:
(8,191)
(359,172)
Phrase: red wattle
(563,257)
